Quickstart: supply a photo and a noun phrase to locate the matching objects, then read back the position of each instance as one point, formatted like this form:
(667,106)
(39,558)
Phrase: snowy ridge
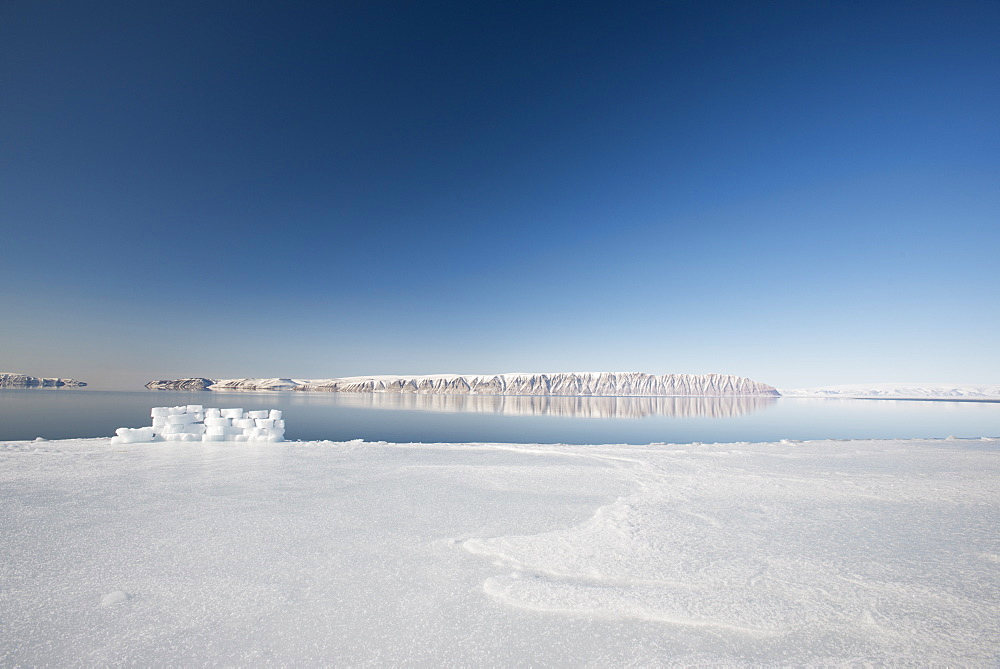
(599,383)
(257,384)
(923,391)
(14,380)
(531,383)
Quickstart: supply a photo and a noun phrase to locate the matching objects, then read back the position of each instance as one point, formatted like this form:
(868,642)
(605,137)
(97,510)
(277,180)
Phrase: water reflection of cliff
(570,407)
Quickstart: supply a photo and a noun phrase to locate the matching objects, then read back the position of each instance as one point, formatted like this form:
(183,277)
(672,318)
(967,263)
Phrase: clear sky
(804,193)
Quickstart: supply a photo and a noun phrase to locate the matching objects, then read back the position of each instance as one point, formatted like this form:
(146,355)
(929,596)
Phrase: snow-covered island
(595,384)
(15,380)
(620,384)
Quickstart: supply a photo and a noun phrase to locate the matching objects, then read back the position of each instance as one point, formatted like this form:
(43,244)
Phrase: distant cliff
(611,384)
(181,384)
(11,380)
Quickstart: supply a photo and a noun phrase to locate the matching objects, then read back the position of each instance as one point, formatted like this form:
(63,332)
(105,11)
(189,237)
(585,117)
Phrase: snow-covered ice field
(305,553)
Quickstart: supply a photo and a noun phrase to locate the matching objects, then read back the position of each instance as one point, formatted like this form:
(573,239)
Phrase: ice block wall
(195,423)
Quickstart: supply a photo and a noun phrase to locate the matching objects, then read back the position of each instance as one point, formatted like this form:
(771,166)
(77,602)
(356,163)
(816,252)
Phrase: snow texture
(918,391)
(533,383)
(321,553)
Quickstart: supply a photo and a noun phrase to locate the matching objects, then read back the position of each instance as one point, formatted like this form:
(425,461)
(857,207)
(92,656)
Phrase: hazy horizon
(118,385)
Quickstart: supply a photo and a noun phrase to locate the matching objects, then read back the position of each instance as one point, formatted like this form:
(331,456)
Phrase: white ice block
(159,412)
(218,422)
(264,422)
(159,421)
(212,437)
(215,430)
(172,429)
(194,428)
(180,419)
(257,414)
(244,422)
(213,413)
(280,423)
(274,414)
(176,411)
(193,408)
(129,435)
(240,437)
(232,413)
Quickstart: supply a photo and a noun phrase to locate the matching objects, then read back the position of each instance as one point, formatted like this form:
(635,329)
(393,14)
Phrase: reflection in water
(570,407)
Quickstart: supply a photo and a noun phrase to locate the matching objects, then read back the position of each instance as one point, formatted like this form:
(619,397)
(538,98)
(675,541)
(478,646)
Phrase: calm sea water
(64,414)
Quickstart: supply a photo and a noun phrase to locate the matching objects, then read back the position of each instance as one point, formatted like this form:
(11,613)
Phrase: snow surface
(306,553)
(944,391)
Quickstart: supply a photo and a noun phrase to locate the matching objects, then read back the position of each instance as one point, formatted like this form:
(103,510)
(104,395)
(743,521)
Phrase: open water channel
(65,414)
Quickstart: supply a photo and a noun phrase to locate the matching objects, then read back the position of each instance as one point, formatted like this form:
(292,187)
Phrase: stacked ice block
(195,423)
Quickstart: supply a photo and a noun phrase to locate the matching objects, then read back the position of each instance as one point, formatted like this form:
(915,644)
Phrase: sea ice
(322,553)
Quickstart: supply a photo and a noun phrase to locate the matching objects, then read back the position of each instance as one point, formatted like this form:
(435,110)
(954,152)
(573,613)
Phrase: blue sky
(804,193)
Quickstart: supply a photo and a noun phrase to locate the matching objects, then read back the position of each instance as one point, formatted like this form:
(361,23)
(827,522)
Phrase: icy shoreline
(902,391)
(822,552)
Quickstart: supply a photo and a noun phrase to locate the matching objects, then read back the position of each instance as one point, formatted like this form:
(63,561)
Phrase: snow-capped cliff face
(562,383)
(194,383)
(257,384)
(604,383)
(199,383)
(12,380)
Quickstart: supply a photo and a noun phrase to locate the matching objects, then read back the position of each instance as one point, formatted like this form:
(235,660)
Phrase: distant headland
(617,384)
(14,380)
